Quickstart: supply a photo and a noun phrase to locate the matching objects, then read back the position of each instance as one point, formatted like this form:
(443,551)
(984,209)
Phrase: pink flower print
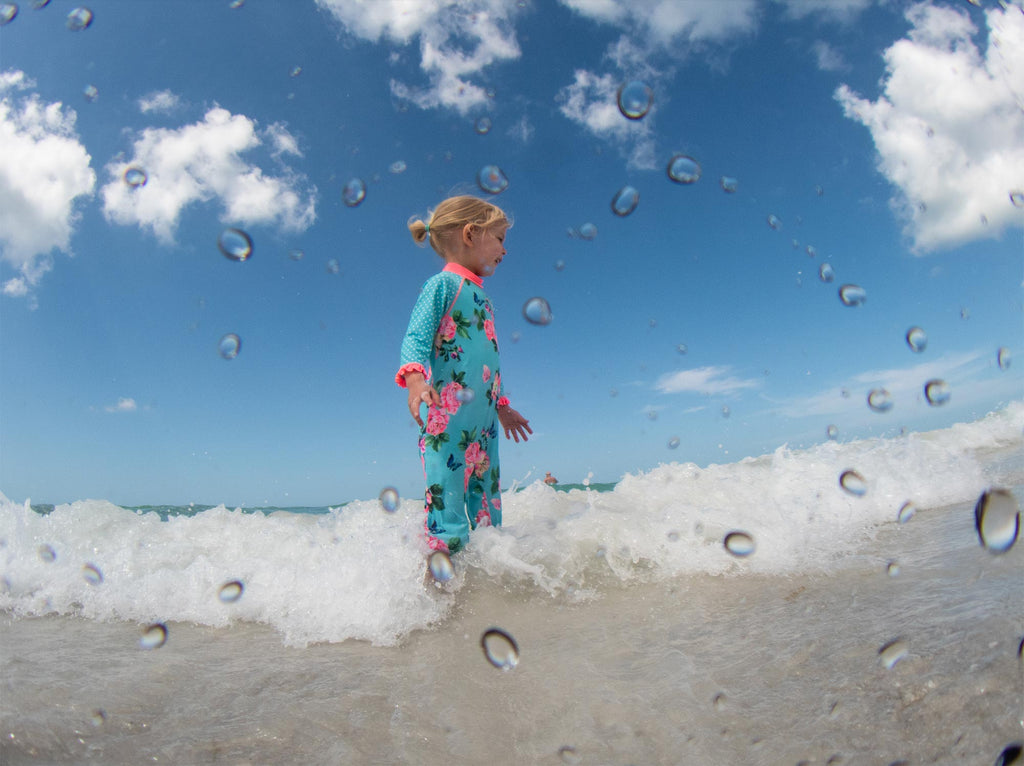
(483,518)
(447,328)
(423,445)
(489,329)
(450,397)
(496,503)
(496,387)
(437,421)
(487,373)
(436,543)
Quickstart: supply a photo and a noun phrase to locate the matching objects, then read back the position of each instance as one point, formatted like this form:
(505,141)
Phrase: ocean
(849,603)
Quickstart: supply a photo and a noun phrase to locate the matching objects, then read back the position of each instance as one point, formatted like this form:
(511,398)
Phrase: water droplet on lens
(936,392)
(491,179)
(98,717)
(1017,198)
(295,71)
(500,648)
(559,265)
(906,512)
(853,483)
(719,701)
(965,313)
(892,569)
(230,592)
(774,222)
(389,499)
(819,191)
(235,244)
(826,273)
(739,544)
(333,267)
(997,519)
(7,13)
(465,395)
(91,93)
(588,231)
(832,431)
(397,167)
(1003,358)
(135,177)
(729,184)
(568,755)
(230,345)
(852,295)
(683,169)
(537,311)
(625,201)
(917,339)
(879,401)
(811,251)
(440,565)
(635,100)
(354,192)
(92,574)
(892,652)
(47,553)
(516,336)
(1011,755)
(80,18)
(673,442)
(482,126)
(682,348)
(296,255)
(154,636)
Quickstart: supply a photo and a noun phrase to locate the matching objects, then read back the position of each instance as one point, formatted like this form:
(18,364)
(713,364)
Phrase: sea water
(839,625)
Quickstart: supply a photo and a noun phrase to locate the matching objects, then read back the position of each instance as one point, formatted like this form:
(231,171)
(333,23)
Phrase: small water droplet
(879,401)
(91,93)
(537,311)
(1017,198)
(295,71)
(917,339)
(92,574)
(79,18)
(719,701)
(7,13)
(853,483)
(568,755)
(230,592)
(819,190)
(296,254)
(559,265)
(397,167)
(965,313)
(729,184)
(389,499)
(673,442)
(482,125)
(440,565)
(229,346)
(47,553)
(588,231)
(811,251)
(673,536)
(154,636)
(235,244)
(832,431)
(333,266)
(491,179)
(683,169)
(826,273)
(682,348)
(774,222)
(1003,358)
(739,544)
(236,4)
(726,412)
(516,336)
(906,512)
(892,652)
(465,395)
(500,648)
(135,177)
(852,295)
(997,520)
(635,99)
(625,201)
(354,192)
(98,717)
(937,392)
(892,569)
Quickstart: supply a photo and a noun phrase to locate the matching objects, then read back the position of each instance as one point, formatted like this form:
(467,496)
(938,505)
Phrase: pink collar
(462,271)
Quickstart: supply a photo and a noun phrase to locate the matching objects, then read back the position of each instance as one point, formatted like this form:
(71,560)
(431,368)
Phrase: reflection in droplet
(154,636)
(673,442)
(906,512)
(354,192)
(853,483)
(635,100)
(917,339)
(774,222)
(92,574)
(852,295)
(397,167)
(91,93)
(588,231)
(389,499)
(826,273)
(500,648)
(7,13)
(729,184)
(440,565)
(229,346)
(47,553)
(997,520)
(739,544)
(231,591)
(625,201)
(135,177)
(879,401)
(482,125)
(832,431)
(937,392)
(1003,358)
(78,19)
(892,652)
(1017,198)
(235,244)
(491,179)
(537,311)
(683,169)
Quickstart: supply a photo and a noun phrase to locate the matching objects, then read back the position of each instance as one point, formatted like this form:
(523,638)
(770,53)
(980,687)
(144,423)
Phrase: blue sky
(887,137)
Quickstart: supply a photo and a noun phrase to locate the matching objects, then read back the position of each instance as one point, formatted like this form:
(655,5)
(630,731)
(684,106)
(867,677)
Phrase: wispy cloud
(828,58)
(710,380)
(124,404)
(161,101)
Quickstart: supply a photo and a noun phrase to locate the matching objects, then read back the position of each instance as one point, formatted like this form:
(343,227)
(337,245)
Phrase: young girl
(450,363)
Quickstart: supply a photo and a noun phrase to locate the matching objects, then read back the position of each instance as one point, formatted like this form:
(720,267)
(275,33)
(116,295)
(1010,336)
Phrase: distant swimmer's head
(446,222)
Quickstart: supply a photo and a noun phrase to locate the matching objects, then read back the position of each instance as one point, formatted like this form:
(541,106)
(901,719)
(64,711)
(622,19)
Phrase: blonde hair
(452,215)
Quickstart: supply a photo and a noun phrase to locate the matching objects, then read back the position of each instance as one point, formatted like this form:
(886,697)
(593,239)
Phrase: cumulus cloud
(669,23)
(202,162)
(838,10)
(161,101)
(949,125)
(44,172)
(709,380)
(124,404)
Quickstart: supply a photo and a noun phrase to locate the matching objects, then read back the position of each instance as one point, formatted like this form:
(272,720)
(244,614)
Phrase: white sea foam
(358,572)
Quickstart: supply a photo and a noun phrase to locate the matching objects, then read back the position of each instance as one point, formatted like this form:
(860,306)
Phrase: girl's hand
(420,392)
(515,425)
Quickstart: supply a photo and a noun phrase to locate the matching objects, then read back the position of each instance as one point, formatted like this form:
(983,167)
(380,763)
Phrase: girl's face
(486,251)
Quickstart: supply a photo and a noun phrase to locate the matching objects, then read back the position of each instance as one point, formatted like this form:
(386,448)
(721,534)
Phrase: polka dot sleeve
(436,295)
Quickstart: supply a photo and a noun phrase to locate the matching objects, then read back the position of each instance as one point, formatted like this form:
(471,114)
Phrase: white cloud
(838,10)
(709,380)
(949,125)
(522,130)
(202,162)
(44,171)
(124,404)
(670,23)
(828,58)
(161,101)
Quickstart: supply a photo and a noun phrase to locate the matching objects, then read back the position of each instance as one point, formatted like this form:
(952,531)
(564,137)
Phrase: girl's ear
(468,233)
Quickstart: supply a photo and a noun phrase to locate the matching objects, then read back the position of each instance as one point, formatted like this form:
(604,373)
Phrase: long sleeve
(435,297)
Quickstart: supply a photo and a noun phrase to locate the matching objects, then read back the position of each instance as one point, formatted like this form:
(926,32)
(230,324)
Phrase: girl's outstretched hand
(515,425)
(420,392)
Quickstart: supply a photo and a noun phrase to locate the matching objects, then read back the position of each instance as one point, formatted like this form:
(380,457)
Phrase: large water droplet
(47,553)
(625,201)
(482,125)
(353,193)
(440,566)
(917,339)
(852,295)
(997,519)
(774,222)
(7,13)
(500,648)
(906,512)
(1003,358)
(853,483)
(739,544)
(135,177)
(537,311)
(92,574)
(389,499)
(230,592)
(1017,198)
(1011,755)
(154,636)
(491,179)
(729,184)
(684,169)
(879,400)
(78,19)
(229,346)
(936,392)
(826,273)
(635,99)
(892,652)
(235,244)
(588,231)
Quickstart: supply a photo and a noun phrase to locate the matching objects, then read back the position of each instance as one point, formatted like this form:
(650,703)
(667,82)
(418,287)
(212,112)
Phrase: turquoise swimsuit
(451,340)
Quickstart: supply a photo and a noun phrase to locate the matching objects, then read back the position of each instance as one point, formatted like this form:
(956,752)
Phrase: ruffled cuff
(410,367)
(503,401)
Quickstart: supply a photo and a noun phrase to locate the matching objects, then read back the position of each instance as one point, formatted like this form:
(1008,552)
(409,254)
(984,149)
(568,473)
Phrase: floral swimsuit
(451,340)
